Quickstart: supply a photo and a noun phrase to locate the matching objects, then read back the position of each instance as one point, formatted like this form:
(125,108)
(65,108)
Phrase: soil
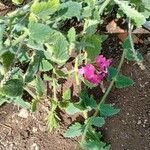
(129,130)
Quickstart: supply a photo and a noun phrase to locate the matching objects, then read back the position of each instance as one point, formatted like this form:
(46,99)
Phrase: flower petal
(102,63)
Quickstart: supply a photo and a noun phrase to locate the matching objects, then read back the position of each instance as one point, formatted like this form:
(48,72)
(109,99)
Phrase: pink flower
(89,73)
(96,76)
(102,63)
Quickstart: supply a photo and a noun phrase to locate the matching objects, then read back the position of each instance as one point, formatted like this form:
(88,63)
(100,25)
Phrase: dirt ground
(129,130)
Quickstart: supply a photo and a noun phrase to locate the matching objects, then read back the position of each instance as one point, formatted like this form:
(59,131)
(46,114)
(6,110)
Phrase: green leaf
(90,26)
(63,104)
(132,13)
(107,110)
(71,109)
(95,145)
(45,65)
(93,134)
(146,11)
(17,2)
(39,32)
(93,46)
(47,78)
(33,67)
(74,130)
(52,121)
(39,86)
(87,12)
(7,59)
(12,88)
(72,35)
(20,102)
(123,81)
(146,3)
(2,29)
(73,9)
(112,72)
(97,121)
(129,53)
(57,49)
(85,102)
(1,76)
(44,9)
(67,94)
(35,45)
(61,73)
(91,3)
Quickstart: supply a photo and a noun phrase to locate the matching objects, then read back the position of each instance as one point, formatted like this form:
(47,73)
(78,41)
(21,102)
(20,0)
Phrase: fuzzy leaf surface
(74,130)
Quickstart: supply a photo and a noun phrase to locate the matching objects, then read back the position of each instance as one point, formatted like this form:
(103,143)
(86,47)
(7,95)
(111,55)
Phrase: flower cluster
(93,75)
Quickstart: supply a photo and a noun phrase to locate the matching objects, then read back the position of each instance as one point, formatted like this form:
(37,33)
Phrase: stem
(20,11)
(54,89)
(139,62)
(104,97)
(112,83)
(85,131)
(106,2)
(30,92)
(131,39)
(21,38)
(76,73)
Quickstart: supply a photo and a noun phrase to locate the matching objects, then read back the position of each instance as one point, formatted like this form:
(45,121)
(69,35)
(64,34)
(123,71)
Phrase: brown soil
(31,133)
(129,130)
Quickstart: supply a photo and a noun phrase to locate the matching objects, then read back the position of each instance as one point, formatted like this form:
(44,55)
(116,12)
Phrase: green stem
(139,62)
(112,83)
(76,73)
(30,92)
(131,40)
(85,131)
(54,89)
(20,11)
(21,38)
(104,97)
(104,5)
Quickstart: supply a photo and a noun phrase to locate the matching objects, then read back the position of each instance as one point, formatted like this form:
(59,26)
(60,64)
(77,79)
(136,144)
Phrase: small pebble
(139,122)
(144,125)
(145,121)
(23,113)
(42,128)
(34,129)
(34,146)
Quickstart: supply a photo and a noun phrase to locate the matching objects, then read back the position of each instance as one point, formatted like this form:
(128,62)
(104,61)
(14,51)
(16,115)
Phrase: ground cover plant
(35,48)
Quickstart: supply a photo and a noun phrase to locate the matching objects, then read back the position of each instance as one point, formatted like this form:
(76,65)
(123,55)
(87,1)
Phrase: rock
(139,122)
(42,128)
(34,129)
(34,146)
(23,113)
